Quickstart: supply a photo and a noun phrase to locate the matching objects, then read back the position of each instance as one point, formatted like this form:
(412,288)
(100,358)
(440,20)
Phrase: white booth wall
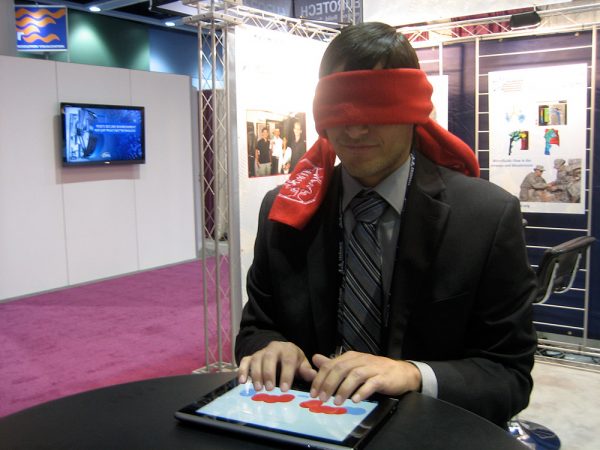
(276,75)
(67,225)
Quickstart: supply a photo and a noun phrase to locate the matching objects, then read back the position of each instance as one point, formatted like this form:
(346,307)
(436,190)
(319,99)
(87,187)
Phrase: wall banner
(41,28)
(325,10)
(538,136)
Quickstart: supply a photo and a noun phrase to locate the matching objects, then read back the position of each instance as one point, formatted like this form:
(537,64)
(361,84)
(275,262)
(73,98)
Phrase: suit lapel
(322,261)
(421,230)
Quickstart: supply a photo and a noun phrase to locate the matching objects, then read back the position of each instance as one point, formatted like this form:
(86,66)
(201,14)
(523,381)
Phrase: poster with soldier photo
(538,136)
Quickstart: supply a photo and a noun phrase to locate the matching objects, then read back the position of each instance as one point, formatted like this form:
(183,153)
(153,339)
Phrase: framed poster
(538,136)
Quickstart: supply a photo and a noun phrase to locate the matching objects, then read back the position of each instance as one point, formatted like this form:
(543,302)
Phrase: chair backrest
(559,267)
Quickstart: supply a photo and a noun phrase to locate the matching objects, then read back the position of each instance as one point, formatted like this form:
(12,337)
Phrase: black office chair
(555,274)
(558,268)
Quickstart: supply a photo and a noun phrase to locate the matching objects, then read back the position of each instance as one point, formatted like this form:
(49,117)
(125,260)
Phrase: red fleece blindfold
(374,97)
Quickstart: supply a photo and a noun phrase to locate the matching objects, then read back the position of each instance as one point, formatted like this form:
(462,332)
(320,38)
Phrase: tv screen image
(102,134)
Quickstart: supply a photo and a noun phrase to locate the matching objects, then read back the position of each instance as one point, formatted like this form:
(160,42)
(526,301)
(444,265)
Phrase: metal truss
(554,19)
(214,20)
(221,280)
(230,13)
(214,198)
(569,354)
(348,13)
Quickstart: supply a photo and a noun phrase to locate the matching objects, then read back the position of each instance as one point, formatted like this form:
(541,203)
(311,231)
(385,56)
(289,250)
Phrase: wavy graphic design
(40,23)
(29,30)
(39,13)
(36,37)
(36,25)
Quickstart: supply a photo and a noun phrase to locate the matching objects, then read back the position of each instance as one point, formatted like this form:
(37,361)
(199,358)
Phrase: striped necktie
(361,309)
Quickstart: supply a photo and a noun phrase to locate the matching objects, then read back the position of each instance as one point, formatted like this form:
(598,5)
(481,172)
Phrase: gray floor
(566,400)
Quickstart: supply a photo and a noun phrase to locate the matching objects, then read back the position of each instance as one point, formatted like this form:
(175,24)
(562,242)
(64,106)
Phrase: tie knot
(368,206)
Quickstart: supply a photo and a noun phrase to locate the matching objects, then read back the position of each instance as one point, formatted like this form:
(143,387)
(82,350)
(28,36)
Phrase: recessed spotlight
(169,23)
(94,9)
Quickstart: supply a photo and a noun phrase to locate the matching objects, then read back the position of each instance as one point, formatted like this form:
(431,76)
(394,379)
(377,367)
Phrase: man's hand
(362,374)
(262,366)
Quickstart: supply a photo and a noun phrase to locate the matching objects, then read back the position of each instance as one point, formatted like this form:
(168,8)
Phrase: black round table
(140,416)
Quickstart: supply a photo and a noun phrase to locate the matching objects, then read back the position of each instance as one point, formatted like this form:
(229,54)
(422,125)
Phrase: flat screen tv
(102,134)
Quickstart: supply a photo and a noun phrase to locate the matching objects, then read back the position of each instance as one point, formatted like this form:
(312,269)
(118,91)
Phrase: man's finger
(306,371)
(367,389)
(256,371)
(243,368)
(320,361)
(358,379)
(332,372)
(288,370)
(269,369)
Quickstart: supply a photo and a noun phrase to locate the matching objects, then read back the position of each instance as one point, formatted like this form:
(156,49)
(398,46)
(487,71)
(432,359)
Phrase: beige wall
(8,35)
(61,226)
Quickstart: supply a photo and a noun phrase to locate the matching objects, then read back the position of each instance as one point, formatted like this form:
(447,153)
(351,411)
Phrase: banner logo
(41,28)
(304,186)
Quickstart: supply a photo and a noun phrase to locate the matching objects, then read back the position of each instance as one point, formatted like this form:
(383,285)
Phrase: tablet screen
(291,416)
(293,411)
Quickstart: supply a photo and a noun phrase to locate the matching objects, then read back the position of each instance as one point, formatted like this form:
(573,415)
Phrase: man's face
(371,152)
(276,132)
(265,134)
(538,172)
(297,130)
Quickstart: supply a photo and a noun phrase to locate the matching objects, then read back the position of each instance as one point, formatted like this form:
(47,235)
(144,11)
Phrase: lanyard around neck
(342,239)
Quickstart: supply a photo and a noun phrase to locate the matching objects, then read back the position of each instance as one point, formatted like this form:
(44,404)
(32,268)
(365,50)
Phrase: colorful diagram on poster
(293,411)
(538,136)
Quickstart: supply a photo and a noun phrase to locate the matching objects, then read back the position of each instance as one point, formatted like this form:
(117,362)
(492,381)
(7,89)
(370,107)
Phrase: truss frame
(218,18)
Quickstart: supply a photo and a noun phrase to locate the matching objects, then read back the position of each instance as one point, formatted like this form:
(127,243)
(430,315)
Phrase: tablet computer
(290,417)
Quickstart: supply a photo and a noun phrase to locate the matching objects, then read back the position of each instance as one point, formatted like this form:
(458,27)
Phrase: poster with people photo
(276,141)
(538,136)
(275,79)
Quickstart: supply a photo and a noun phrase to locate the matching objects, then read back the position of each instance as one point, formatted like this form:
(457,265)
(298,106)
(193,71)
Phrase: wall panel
(32,239)
(164,190)
(99,202)
(67,225)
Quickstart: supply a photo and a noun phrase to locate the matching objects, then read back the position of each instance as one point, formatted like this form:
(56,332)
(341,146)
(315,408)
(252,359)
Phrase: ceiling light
(94,9)
(525,20)
(169,23)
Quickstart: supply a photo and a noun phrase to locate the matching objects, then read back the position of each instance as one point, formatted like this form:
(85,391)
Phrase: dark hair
(363,46)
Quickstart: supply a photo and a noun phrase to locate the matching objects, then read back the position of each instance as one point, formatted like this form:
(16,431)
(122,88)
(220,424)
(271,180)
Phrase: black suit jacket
(460,296)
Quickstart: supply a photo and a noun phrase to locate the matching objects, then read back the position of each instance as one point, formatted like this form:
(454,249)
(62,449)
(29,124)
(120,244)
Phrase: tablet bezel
(355,439)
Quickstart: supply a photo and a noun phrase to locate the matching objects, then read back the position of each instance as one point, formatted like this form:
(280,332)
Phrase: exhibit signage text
(328,10)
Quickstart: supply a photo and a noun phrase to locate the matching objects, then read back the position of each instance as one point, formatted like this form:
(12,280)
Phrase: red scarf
(374,97)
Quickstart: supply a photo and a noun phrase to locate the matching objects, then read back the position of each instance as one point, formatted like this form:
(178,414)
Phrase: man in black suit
(297,143)
(457,285)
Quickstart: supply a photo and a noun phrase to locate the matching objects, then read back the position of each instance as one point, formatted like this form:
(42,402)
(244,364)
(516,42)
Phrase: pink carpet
(134,327)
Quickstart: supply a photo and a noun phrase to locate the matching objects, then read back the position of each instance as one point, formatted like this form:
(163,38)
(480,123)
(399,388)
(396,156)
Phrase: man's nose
(356,131)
